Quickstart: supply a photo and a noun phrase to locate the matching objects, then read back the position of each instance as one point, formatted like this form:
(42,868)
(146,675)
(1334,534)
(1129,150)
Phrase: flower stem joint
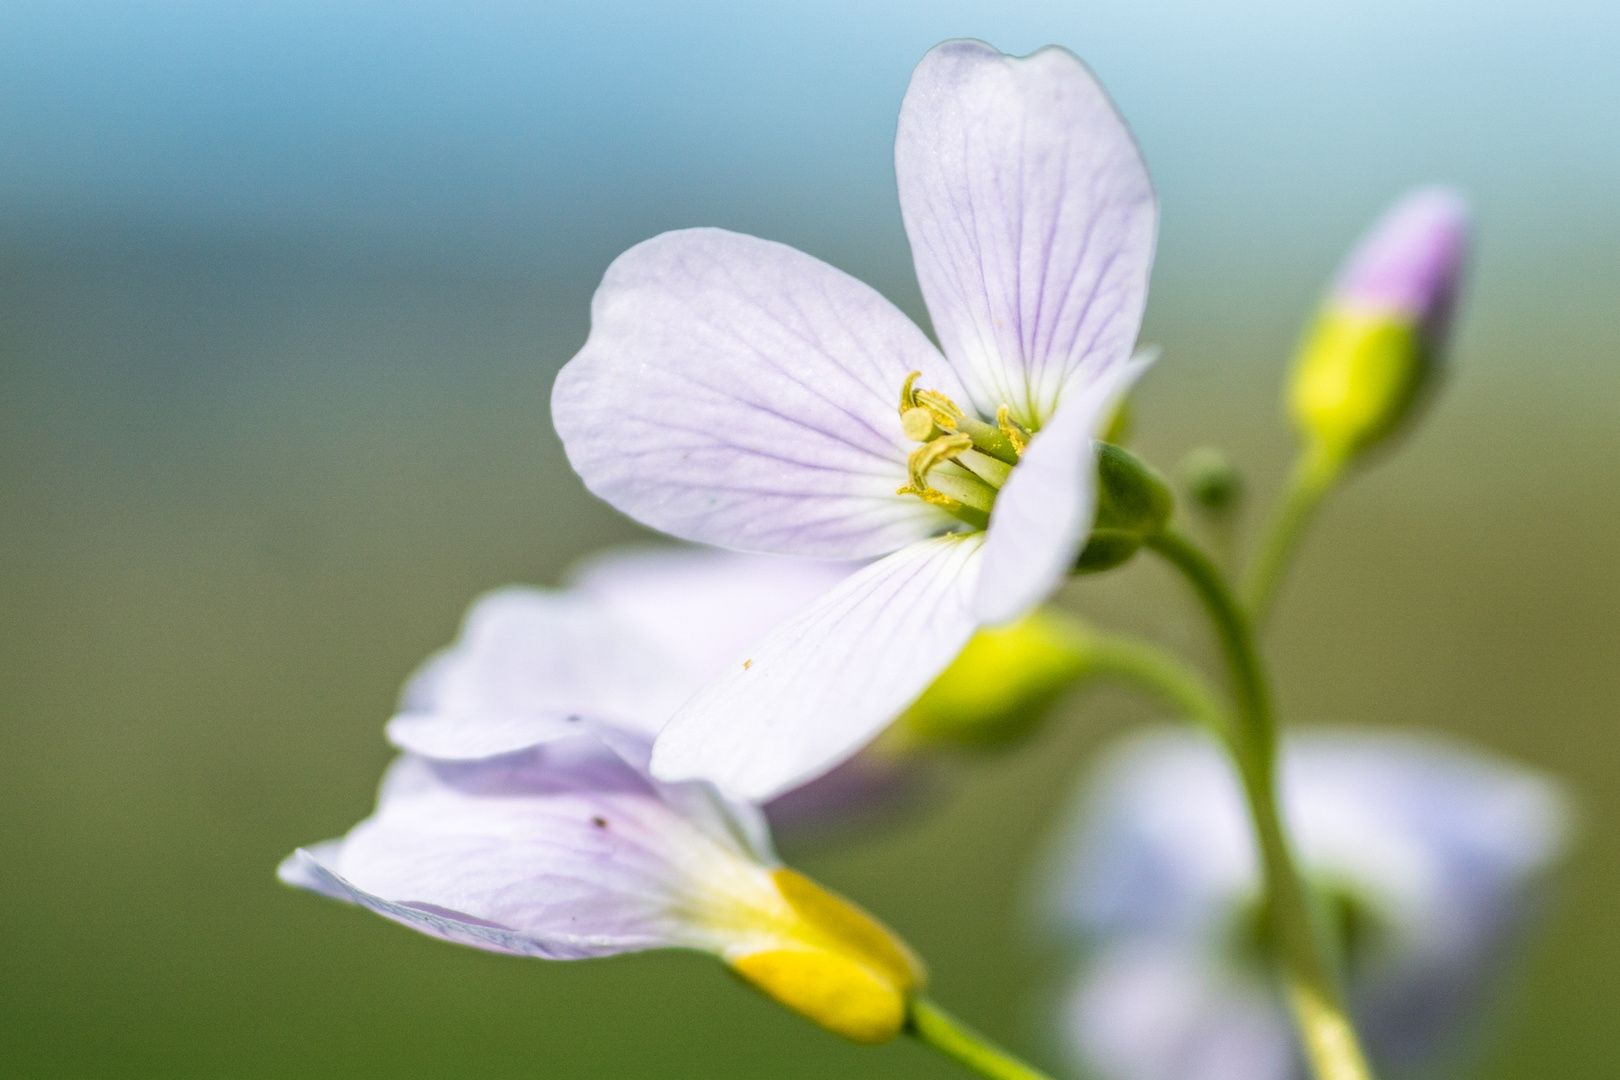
(1133,506)
(1373,352)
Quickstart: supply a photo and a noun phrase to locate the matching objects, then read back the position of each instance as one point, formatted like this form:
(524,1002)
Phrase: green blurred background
(282,293)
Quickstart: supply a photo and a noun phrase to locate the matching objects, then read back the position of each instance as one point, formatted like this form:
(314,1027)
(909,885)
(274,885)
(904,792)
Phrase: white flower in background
(1429,853)
(737,392)
(571,850)
(631,635)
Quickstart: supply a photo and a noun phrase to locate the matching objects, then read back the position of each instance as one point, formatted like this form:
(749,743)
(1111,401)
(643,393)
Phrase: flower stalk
(1311,981)
(1313,476)
(935,1027)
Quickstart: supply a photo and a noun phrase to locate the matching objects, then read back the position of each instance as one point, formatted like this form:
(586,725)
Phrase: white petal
(701,605)
(737,392)
(566,851)
(1044,513)
(828,680)
(528,664)
(1032,220)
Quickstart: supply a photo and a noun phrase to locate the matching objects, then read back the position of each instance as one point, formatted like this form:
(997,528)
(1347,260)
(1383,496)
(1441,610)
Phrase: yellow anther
(908,398)
(946,413)
(923,459)
(918,424)
(1009,427)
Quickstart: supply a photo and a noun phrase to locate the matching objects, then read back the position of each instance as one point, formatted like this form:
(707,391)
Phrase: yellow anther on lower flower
(834,963)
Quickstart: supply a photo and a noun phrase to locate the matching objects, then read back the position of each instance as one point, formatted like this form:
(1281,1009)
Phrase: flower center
(963,460)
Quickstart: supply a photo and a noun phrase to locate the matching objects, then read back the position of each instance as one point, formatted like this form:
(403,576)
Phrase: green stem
(1324,1024)
(1313,476)
(1179,684)
(939,1029)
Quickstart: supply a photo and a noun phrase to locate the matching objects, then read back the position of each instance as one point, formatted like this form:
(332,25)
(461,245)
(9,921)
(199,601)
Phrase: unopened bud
(1212,482)
(1133,504)
(1374,349)
(1002,683)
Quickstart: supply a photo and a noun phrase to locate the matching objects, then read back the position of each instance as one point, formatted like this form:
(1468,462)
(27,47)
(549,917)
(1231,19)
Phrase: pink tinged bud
(1373,351)
(1410,265)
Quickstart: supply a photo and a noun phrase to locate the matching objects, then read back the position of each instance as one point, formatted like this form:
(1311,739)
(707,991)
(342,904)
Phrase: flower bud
(1374,348)
(1211,481)
(1133,504)
(1001,684)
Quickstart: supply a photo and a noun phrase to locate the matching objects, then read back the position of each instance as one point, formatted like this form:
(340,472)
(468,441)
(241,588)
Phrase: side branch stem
(1309,974)
(1177,683)
(1313,476)
(937,1028)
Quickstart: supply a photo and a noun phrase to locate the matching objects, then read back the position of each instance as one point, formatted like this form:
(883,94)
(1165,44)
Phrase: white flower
(631,635)
(571,850)
(1428,852)
(737,392)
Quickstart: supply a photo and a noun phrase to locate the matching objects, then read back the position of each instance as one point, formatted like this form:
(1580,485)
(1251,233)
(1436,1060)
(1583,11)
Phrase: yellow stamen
(931,453)
(918,424)
(908,398)
(1009,427)
(947,414)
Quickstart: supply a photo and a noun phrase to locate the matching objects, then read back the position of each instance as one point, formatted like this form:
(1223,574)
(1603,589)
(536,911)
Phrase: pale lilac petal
(737,392)
(1411,262)
(1150,1010)
(701,605)
(825,682)
(1032,221)
(1443,846)
(565,851)
(1044,513)
(528,665)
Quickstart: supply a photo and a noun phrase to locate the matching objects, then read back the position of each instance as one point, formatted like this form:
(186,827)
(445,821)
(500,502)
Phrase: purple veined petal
(1044,513)
(825,682)
(702,606)
(563,852)
(529,663)
(1032,221)
(738,392)
(1411,262)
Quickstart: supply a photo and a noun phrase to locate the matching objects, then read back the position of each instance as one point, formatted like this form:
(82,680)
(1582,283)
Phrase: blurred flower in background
(1428,856)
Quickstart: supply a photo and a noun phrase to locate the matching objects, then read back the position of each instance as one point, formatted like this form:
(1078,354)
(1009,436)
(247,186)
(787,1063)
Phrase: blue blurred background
(282,291)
